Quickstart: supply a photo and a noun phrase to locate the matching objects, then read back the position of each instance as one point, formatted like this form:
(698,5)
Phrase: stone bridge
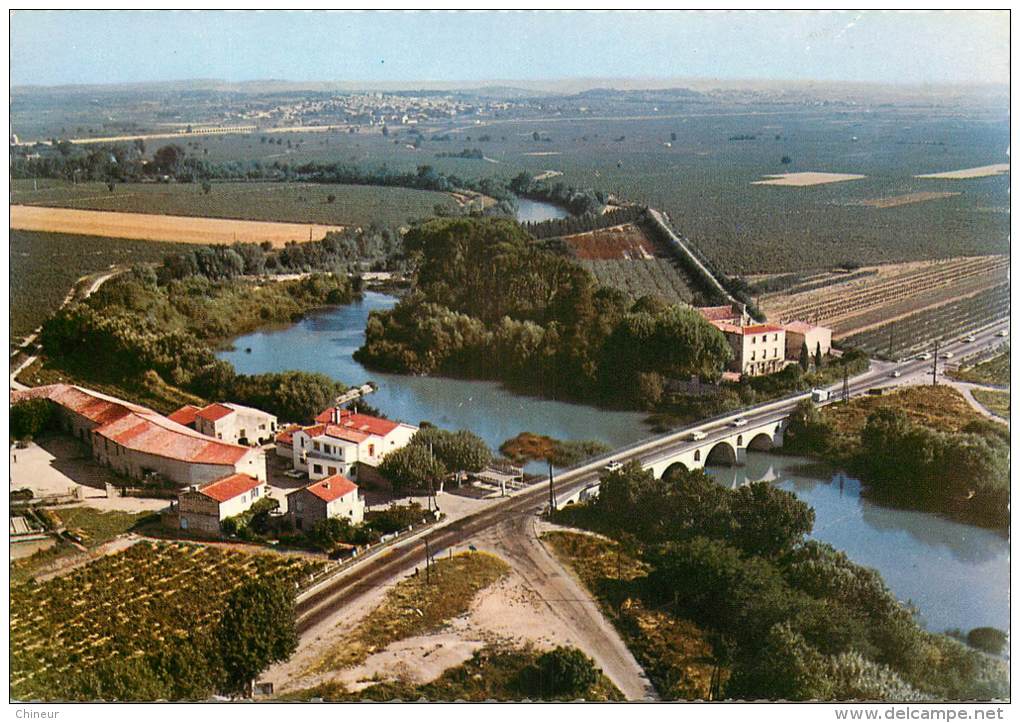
(728,449)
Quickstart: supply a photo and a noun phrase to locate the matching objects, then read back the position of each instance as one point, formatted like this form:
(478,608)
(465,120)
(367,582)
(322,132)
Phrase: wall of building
(350,507)
(305,509)
(199,513)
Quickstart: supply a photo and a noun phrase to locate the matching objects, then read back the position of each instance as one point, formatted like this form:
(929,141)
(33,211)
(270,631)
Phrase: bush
(989,640)
(562,672)
(30,418)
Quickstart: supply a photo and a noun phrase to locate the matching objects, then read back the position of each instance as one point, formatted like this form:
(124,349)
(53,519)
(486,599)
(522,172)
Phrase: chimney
(325,485)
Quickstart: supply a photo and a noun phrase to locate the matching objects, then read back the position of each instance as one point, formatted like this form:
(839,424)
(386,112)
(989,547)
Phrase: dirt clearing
(978,172)
(626,241)
(805,178)
(155,227)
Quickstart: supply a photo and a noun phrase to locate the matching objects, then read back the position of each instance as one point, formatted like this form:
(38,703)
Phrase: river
(956,574)
(529,211)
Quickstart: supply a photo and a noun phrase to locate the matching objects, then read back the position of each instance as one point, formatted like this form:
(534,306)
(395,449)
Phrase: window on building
(317,468)
(697,455)
(332,470)
(262,426)
(371,450)
(740,440)
(315,445)
(255,493)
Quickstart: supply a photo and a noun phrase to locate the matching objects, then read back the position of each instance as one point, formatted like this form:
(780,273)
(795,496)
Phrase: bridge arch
(675,469)
(722,453)
(761,442)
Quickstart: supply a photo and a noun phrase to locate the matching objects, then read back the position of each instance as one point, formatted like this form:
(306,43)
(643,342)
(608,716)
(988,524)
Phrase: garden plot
(995,169)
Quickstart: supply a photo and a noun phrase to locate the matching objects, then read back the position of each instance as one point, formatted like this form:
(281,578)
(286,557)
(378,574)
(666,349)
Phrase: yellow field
(979,172)
(805,178)
(155,227)
(908,198)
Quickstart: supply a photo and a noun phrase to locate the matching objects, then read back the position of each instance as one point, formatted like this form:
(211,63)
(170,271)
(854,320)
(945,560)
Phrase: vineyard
(125,605)
(640,277)
(853,303)
(903,337)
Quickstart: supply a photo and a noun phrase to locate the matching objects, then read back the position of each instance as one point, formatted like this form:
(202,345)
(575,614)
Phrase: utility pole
(552,494)
(935,364)
(846,386)
(428,558)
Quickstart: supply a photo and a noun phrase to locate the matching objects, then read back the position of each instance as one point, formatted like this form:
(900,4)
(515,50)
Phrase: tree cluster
(491,302)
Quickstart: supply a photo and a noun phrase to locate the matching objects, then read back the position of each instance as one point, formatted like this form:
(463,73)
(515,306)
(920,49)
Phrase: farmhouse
(334,496)
(341,439)
(203,508)
(285,441)
(140,443)
(799,333)
(757,348)
(234,423)
(735,314)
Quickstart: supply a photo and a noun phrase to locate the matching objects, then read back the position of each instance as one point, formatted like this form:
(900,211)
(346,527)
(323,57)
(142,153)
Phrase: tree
(805,357)
(412,468)
(989,640)
(257,629)
(460,451)
(206,187)
(806,429)
(672,136)
(769,521)
(30,418)
(110,185)
(535,136)
(786,160)
(561,672)
(331,198)
(385,131)
(819,358)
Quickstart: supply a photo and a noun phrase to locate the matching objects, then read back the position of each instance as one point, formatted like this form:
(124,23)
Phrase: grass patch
(491,674)
(994,371)
(994,401)
(941,408)
(96,527)
(674,652)
(414,607)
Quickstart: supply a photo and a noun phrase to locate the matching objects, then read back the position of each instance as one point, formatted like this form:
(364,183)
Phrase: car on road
(896,374)
(1003,332)
(696,435)
(613,466)
(948,355)
(924,357)
(294,474)
(968,339)
(739,422)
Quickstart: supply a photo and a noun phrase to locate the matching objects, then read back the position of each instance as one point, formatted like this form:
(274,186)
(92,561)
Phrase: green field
(44,267)
(293,202)
(994,371)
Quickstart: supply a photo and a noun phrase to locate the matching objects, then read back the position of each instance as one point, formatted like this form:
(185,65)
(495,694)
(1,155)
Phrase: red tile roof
(360,422)
(229,487)
(746,330)
(331,488)
(138,428)
(337,432)
(286,435)
(214,412)
(185,415)
(800,327)
(718,313)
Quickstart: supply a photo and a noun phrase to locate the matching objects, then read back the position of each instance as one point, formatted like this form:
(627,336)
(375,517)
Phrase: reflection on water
(535,211)
(957,575)
(325,342)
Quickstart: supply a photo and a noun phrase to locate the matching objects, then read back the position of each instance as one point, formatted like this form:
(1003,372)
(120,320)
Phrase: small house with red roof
(342,439)
(201,508)
(333,496)
(234,423)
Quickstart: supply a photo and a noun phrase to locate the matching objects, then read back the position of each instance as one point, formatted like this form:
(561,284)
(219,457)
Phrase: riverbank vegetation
(774,615)
(137,331)
(920,447)
(140,648)
(491,302)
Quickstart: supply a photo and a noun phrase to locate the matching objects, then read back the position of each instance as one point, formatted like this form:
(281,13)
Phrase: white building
(799,333)
(203,508)
(334,496)
(233,423)
(342,439)
(757,348)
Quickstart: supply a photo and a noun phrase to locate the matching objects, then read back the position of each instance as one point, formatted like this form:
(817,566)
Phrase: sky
(87,47)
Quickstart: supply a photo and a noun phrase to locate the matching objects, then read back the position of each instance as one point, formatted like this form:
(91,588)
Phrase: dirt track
(155,227)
